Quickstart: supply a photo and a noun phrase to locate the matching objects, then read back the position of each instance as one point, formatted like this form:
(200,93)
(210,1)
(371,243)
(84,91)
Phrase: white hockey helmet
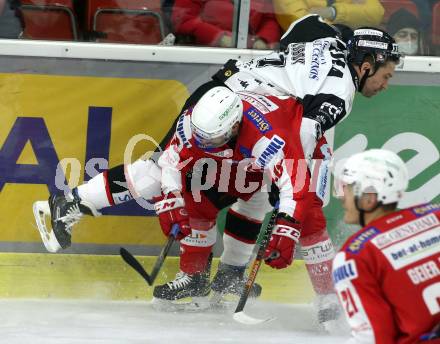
(376,171)
(214,116)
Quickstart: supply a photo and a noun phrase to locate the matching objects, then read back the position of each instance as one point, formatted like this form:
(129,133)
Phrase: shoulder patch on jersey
(183,130)
(276,144)
(258,101)
(404,231)
(257,119)
(425,209)
(346,271)
(357,243)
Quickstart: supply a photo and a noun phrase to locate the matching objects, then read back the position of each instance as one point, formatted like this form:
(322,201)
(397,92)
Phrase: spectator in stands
(10,23)
(353,13)
(425,9)
(407,31)
(210,23)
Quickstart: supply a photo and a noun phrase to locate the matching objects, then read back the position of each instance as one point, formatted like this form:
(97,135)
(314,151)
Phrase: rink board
(77,276)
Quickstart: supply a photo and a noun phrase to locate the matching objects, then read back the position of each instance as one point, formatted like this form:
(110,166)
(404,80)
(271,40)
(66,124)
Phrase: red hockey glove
(171,210)
(281,249)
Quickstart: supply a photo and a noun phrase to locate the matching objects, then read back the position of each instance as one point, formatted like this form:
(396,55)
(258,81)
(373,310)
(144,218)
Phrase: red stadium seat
(436,24)
(49,19)
(126,21)
(392,6)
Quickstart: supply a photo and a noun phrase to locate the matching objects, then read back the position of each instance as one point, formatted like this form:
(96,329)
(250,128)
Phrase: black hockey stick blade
(136,265)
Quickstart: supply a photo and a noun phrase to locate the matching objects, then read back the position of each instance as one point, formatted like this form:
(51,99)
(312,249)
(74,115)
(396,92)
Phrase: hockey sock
(235,252)
(196,248)
(318,253)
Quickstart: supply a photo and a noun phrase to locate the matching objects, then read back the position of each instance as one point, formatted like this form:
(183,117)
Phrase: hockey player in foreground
(222,150)
(387,275)
(315,66)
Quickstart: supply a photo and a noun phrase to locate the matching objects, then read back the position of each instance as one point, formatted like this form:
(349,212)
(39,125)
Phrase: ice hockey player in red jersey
(314,65)
(387,275)
(221,152)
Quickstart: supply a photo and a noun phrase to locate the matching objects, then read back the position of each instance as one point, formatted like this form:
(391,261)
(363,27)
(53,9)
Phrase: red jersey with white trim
(387,276)
(268,143)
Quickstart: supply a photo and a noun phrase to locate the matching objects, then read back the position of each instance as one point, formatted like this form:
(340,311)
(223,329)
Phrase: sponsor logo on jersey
(181,131)
(426,209)
(413,249)
(394,219)
(323,179)
(318,58)
(274,146)
(260,102)
(358,242)
(423,272)
(402,232)
(257,119)
(319,253)
(332,110)
(347,271)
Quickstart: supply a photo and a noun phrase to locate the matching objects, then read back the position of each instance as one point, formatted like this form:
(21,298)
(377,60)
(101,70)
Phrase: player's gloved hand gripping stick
(137,266)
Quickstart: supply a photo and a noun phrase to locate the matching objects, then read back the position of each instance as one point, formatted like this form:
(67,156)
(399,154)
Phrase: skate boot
(330,314)
(230,279)
(193,287)
(183,286)
(64,212)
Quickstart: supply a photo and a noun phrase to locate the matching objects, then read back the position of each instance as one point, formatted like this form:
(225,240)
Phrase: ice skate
(330,314)
(185,293)
(230,280)
(64,212)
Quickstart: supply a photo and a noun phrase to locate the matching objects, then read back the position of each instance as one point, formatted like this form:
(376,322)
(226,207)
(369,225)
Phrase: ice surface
(118,322)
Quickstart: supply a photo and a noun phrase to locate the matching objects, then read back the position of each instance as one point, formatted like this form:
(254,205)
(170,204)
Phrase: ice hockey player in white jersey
(314,65)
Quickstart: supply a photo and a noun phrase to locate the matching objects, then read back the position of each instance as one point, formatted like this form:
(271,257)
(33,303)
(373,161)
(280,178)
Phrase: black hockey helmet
(345,32)
(375,43)
(369,41)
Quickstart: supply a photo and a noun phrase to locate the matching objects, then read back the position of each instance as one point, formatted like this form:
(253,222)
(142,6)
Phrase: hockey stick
(239,314)
(137,266)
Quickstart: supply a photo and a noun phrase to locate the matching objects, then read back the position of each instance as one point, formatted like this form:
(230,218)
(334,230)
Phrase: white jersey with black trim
(311,66)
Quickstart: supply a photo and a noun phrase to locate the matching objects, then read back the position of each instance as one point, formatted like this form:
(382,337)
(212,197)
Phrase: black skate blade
(194,304)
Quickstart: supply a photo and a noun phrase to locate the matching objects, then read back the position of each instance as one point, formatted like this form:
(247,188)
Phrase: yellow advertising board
(46,119)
